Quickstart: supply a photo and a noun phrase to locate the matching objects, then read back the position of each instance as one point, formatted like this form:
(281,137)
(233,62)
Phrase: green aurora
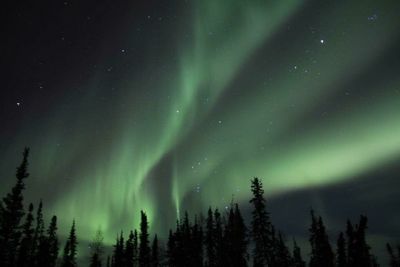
(297,95)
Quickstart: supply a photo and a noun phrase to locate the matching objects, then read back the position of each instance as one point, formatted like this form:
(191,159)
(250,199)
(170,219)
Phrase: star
(18,104)
(322,41)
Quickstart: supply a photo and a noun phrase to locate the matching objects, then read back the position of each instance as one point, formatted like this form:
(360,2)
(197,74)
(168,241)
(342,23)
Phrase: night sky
(169,106)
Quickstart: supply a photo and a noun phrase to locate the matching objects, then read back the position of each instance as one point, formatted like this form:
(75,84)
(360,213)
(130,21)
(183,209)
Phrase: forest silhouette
(221,239)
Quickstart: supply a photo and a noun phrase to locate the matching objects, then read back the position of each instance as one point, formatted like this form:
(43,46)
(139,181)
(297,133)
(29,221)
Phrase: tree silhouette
(39,248)
(119,251)
(26,241)
(341,258)
(210,240)
(129,250)
(297,260)
(321,251)
(155,261)
(394,260)
(260,227)
(144,248)
(96,247)
(358,249)
(12,211)
(70,252)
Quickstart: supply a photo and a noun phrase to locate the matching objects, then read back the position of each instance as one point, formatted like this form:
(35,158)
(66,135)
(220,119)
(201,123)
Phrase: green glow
(107,164)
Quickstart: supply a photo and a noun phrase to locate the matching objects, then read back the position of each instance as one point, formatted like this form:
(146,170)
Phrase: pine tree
(108,261)
(155,261)
(260,227)
(26,241)
(144,248)
(358,249)
(39,245)
(196,244)
(53,242)
(171,250)
(341,259)
(282,255)
(129,250)
(321,251)
(70,252)
(239,239)
(209,240)
(235,241)
(11,214)
(47,250)
(135,248)
(96,250)
(394,260)
(297,259)
(118,256)
(218,239)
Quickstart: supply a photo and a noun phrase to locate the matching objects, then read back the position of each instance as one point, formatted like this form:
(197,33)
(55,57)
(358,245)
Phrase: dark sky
(169,106)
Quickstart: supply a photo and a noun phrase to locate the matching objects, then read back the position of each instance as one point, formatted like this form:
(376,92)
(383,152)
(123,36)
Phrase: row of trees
(221,239)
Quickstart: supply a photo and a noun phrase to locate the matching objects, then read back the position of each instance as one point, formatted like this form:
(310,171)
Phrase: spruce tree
(218,239)
(96,250)
(321,251)
(239,239)
(135,248)
(358,249)
(297,259)
(12,211)
(171,250)
(282,255)
(155,261)
(209,240)
(118,256)
(144,248)
(70,252)
(39,245)
(196,244)
(260,227)
(47,250)
(341,258)
(129,250)
(394,260)
(53,242)
(26,241)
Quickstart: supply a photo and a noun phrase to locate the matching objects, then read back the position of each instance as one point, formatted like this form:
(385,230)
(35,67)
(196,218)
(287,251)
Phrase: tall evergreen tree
(394,260)
(196,244)
(129,250)
(341,258)
(297,259)
(135,248)
(96,250)
(53,242)
(118,256)
(321,251)
(210,240)
(171,250)
(26,241)
(235,240)
(260,227)
(358,249)
(282,256)
(47,250)
(155,261)
(12,211)
(218,239)
(39,243)
(70,252)
(144,248)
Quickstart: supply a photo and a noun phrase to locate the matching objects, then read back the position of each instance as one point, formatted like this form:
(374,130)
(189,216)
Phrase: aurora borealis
(175,106)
